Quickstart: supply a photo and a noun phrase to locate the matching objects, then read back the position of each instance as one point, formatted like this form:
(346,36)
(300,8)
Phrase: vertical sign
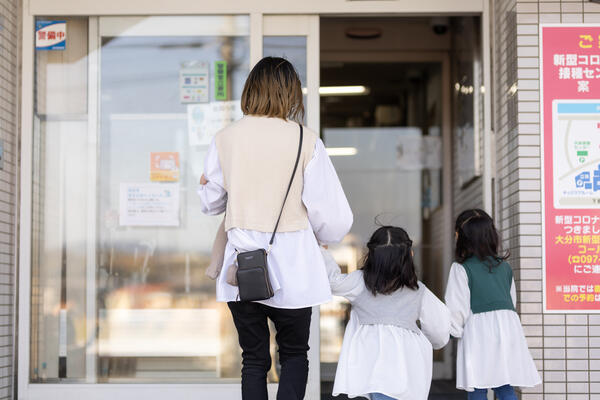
(220,80)
(50,35)
(570,101)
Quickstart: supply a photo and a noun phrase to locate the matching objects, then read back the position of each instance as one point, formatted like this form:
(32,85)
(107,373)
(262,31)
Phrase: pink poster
(570,101)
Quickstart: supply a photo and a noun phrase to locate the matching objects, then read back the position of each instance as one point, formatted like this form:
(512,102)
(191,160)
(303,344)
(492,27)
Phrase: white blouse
(296,266)
(385,358)
(492,350)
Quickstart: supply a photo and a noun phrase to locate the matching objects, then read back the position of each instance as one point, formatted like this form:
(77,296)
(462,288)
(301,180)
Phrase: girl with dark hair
(385,354)
(492,351)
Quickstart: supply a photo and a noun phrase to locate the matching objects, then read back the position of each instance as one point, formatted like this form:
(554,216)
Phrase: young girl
(492,352)
(385,355)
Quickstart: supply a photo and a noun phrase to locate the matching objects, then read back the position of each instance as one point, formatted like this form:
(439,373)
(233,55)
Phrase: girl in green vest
(492,351)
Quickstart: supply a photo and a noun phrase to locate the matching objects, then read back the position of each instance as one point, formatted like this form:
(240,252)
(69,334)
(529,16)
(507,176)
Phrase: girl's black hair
(388,265)
(477,236)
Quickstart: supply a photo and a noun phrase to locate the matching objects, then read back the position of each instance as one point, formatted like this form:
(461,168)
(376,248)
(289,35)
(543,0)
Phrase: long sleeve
(513,293)
(435,320)
(345,285)
(328,210)
(458,299)
(213,195)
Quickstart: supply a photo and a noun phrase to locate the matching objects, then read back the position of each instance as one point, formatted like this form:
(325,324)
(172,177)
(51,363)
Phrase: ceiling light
(363,33)
(341,151)
(343,90)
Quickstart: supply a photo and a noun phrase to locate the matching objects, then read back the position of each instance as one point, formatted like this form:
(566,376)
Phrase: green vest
(490,291)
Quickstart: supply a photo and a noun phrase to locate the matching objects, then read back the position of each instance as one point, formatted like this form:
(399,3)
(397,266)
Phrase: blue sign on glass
(50,35)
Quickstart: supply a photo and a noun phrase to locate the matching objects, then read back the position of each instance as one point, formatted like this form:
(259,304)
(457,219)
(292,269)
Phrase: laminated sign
(50,35)
(570,75)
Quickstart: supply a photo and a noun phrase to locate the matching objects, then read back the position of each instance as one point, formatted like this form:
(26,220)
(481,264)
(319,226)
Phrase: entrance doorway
(114,301)
(387,118)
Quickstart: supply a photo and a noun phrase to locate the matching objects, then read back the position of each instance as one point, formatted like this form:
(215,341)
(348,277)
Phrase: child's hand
(203,180)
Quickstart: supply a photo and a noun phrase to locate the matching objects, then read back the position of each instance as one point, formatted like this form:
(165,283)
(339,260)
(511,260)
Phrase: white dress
(492,350)
(387,359)
(296,268)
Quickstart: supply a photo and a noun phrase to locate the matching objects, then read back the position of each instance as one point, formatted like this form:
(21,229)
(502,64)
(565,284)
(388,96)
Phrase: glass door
(296,38)
(120,305)
(166,86)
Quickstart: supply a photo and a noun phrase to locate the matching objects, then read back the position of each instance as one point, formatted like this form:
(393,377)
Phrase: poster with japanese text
(205,120)
(570,101)
(164,166)
(50,35)
(193,82)
(149,204)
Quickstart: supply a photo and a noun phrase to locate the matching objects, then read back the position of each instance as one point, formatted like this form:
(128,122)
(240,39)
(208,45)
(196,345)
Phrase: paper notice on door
(205,120)
(149,204)
(164,166)
(193,82)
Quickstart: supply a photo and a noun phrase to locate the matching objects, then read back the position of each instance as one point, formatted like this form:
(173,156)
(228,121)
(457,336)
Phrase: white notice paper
(205,120)
(149,204)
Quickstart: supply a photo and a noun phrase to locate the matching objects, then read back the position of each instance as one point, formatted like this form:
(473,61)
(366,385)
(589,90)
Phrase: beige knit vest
(257,156)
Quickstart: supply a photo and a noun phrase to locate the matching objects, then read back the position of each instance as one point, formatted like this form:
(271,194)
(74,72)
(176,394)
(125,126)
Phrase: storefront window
(293,49)
(119,243)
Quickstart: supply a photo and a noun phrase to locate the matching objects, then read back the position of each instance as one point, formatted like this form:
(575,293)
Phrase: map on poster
(149,204)
(205,120)
(576,161)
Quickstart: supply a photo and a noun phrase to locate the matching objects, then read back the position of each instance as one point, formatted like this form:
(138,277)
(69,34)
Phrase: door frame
(255,9)
(445,368)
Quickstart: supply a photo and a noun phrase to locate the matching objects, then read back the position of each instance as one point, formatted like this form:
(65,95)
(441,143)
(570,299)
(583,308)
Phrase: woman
(247,171)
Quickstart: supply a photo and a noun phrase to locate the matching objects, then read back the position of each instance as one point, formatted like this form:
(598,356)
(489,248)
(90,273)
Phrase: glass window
(293,49)
(120,245)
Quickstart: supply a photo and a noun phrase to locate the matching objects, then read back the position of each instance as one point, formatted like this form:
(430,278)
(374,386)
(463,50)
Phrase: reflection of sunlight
(334,315)
(159,333)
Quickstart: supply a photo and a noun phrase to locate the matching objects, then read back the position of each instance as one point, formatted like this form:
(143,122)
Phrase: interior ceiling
(389,82)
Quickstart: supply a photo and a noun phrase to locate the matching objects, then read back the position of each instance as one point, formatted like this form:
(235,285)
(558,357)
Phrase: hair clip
(470,218)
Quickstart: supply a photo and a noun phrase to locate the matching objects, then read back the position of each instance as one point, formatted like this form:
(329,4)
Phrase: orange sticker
(164,166)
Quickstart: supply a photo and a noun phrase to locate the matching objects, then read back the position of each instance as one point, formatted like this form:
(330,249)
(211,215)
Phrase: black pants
(293,329)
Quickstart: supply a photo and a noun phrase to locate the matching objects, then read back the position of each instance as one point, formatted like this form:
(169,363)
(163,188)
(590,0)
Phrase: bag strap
(289,185)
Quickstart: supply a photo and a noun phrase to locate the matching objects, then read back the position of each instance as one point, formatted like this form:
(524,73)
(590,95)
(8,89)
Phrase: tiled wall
(566,348)
(9,29)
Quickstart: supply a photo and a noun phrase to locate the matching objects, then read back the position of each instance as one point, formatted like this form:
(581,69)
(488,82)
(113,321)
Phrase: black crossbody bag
(253,272)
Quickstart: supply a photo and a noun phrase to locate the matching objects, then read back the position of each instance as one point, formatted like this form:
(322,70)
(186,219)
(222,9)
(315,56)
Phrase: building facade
(103,295)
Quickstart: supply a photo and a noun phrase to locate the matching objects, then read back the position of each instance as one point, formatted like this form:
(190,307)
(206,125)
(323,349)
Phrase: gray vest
(401,308)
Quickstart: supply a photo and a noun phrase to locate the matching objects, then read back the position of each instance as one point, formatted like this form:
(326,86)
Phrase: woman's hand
(203,180)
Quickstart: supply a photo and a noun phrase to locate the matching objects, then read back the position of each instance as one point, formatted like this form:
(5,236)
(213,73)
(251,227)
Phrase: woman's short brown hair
(273,89)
